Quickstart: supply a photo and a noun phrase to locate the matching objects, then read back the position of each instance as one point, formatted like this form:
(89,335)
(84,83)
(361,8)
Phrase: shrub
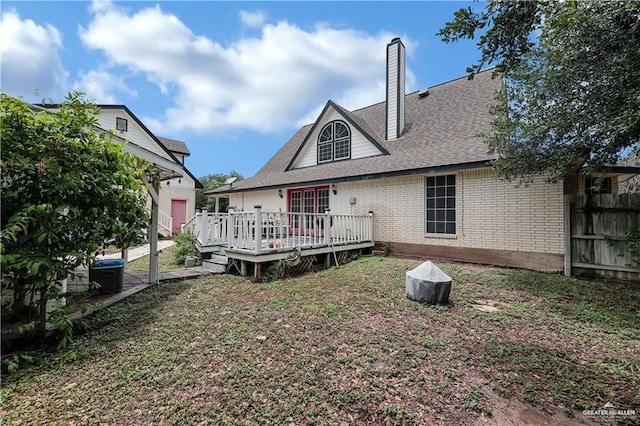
(185,246)
(67,188)
(632,243)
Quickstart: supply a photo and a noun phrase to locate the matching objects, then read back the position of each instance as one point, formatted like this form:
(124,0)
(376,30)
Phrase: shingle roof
(180,147)
(175,146)
(442,131)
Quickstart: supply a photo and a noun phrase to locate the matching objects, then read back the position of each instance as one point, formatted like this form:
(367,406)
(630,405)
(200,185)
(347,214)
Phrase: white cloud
(100,85)
(252,19)
(265,83)
(31,66)
(351,99)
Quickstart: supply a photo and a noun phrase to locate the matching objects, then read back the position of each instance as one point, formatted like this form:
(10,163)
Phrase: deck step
(219,259)
(214,267)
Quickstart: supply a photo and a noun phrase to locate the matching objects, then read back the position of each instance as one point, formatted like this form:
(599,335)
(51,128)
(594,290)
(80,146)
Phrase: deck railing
(190,225)
(165,223)
(209,228)
(277,230)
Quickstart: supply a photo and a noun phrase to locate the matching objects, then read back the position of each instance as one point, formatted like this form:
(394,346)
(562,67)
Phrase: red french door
(305,204)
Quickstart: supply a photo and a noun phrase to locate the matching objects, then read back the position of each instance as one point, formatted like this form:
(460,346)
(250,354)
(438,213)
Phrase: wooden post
(243,268)
(327,261)
(217,209)
(281,220)
(567,235)
(371,225)
(124,254)
(257,224)
(153,240)
(203,227)
(231,228)
(327,226)
(153,186)
(256,272)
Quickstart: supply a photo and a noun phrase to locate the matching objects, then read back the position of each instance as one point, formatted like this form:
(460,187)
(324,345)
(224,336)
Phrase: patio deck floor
(133,282)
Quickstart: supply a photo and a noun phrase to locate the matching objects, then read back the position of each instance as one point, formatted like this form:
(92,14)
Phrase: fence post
(370,231)
(567,236)
(257,224)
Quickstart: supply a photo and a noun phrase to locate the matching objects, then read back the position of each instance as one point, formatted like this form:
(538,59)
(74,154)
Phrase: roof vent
(423,93)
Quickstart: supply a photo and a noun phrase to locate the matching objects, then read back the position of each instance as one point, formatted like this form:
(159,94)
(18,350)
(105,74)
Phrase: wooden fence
(596,227)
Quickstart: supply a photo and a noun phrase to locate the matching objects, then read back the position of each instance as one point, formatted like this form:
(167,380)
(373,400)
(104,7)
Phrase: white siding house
(177,196)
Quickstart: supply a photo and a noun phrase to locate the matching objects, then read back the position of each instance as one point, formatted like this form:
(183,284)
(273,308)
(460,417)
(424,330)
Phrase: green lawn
(165,261)
(343,346)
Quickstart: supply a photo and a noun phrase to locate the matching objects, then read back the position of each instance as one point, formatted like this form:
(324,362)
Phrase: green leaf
(66,189)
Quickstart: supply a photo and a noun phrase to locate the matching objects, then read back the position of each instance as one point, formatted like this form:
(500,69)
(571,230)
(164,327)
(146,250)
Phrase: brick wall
(499,215)
(490,214)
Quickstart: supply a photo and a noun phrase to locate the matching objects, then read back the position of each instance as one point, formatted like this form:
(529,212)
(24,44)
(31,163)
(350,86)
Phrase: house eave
(356,178)
(623,173)
(167,169)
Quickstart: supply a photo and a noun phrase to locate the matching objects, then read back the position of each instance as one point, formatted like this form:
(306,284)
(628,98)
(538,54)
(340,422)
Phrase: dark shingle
(175,146)
(442,130)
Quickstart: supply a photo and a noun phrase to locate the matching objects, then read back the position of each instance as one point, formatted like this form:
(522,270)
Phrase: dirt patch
(513,412)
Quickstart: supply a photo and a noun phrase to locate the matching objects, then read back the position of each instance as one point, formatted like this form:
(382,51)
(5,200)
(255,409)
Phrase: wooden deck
(257,237)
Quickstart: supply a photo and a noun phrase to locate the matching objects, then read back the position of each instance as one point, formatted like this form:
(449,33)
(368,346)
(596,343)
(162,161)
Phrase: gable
(134,133)
(442,133)
(362,144)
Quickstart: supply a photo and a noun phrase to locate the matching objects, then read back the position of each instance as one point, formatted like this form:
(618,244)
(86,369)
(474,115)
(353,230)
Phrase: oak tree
(572,82)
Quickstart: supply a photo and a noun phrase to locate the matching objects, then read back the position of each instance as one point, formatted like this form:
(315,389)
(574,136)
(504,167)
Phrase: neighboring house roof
(175,146)
(180,147)
(167,168)
(142,126)
(198,184)
(442,132)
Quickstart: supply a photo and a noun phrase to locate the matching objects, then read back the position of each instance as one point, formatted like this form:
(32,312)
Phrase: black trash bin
(109,274)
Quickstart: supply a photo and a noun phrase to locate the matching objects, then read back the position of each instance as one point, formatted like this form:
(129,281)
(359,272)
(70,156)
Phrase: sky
(233,80)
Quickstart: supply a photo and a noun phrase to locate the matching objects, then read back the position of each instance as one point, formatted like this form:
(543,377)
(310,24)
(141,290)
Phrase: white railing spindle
(257,231)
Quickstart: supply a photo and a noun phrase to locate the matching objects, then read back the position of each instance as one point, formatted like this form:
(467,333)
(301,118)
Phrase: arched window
(334,142)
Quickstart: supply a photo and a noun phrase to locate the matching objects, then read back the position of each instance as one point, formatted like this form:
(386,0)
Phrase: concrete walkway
(138,252)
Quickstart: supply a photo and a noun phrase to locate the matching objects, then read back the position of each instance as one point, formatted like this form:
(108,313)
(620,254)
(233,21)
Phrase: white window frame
(441,205)
(329,156)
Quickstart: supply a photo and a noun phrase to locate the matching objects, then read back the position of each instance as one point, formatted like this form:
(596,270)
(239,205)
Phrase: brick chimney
(396,66)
